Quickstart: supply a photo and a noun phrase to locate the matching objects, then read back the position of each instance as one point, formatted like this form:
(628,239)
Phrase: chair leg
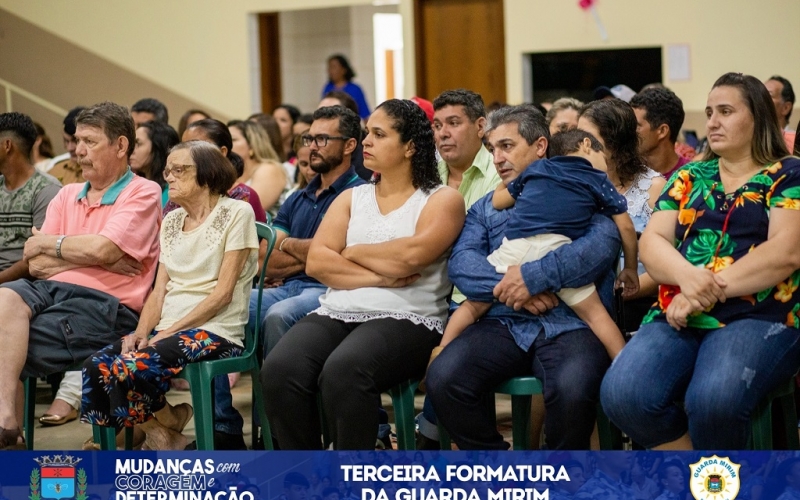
(445,443)
(107,437)
(128,438)
(790,421)
(761,426)
(203,402)
(403,402)
(609,434)
(260,410)
(323,421)
(521,422)
(29,388)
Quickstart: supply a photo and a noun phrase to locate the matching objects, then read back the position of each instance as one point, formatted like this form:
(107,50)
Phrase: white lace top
(637,196)
(423,302)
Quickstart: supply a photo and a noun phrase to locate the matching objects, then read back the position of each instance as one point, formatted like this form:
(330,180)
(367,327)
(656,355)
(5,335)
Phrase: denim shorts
(69,323)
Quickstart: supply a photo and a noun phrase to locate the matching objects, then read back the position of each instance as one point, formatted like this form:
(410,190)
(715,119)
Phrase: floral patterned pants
(123,390)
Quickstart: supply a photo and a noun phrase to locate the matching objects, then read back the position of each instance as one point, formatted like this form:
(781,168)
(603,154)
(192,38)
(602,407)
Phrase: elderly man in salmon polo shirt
(96,255)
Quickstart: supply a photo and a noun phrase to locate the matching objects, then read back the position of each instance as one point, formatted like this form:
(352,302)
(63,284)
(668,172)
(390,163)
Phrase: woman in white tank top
(382,250)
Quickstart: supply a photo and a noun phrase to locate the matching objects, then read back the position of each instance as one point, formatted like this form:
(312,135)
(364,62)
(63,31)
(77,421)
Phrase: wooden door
(269,43)
(460,44)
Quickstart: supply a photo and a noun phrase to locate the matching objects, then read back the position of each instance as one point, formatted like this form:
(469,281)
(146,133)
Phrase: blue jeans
(570,365)
(720,375)
(281,308)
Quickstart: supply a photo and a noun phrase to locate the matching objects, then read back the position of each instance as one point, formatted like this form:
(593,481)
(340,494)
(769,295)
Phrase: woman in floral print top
(723,243)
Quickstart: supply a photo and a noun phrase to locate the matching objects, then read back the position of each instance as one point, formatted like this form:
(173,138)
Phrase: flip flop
(49,420)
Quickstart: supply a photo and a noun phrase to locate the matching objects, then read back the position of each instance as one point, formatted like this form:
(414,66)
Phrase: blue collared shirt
(301,213)
(589,259)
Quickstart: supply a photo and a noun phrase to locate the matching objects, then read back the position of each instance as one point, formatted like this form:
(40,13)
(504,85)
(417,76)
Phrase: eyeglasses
(321,140)
(177,171)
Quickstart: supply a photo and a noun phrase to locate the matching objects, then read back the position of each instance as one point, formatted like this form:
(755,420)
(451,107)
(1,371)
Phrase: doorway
(577,74)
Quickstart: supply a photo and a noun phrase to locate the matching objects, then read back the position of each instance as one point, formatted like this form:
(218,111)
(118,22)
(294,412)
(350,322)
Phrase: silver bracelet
(59,241)
(280,247)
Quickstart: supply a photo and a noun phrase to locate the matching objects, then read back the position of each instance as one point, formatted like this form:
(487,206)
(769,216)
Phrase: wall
(199,49)
(724,35)
(308,37)
(60,75)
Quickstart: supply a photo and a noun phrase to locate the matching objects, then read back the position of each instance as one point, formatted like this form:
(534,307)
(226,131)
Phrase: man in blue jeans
(332,138)
(526,331)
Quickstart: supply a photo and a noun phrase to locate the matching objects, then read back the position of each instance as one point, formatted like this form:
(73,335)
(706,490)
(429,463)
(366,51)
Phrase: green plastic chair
(403,402)
(761,419)
(201,375)
(520,389)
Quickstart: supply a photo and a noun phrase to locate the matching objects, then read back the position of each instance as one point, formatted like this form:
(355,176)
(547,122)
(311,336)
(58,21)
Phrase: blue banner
(381,475)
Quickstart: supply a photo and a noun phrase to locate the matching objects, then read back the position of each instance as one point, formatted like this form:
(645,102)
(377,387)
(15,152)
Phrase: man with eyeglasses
(332,138)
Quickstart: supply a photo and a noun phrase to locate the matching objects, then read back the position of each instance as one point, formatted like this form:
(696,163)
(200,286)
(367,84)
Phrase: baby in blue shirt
(555,200)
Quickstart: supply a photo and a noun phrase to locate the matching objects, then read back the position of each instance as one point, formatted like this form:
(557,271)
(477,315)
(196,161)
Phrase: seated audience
(782,94)
(24,195)
(217,133)
(95,256)
(270,124)
(563,115)
(613,123)
(153,142)
(382,250)
(286,115)
(725,329)
(303,123)
(659,118)
(574,174)
(459,122)
(149,109)
(191,116)
(262,169)
(545,337)
(296,293)
(197,309)
(303,162)
(340,98)
(66,167)
(42,150)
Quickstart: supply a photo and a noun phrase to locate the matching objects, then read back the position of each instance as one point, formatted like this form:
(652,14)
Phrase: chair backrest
(266,232)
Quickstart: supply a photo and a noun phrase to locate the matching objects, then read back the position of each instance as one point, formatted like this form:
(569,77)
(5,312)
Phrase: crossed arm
(289,256)
(766,265)
(76,251)
(394,263)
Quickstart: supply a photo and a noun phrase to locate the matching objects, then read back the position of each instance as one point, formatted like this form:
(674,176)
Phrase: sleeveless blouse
(423,302)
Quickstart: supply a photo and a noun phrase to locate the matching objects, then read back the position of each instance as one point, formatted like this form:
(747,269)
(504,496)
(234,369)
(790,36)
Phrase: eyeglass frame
(170,170)
(308,139)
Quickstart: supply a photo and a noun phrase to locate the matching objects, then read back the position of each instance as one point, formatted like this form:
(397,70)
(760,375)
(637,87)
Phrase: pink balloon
(585,4)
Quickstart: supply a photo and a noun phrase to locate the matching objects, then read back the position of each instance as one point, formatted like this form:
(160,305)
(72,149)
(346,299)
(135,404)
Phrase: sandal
(49,420)
(10,439)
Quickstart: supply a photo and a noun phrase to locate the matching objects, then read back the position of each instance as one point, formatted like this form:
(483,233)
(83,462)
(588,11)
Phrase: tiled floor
(72,435)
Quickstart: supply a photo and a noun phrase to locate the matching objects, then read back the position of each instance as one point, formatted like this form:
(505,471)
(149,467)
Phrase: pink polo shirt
(129,214)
